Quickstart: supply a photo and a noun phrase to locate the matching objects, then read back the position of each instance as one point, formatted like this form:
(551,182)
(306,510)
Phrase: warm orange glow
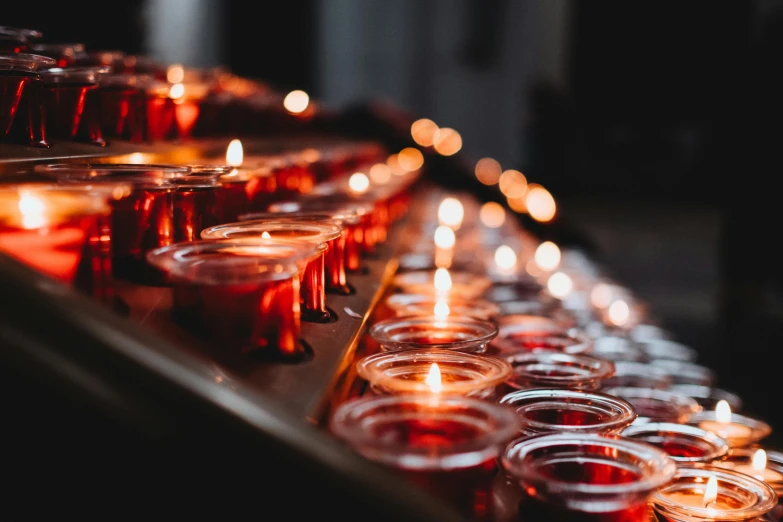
(410,159)
(176,91)
(723,412)
(296,102)
(442,280)
(513,184)
(137,158)
(380,173)
(266,235)
(547,256)
(175,74)
(488,171)
(444,237)
(560,285)
(532,268)
(235,154)
(433,379)
(759,462)
(619,313)
(423,132)
(451,213)
(33,211)
(393,161)
(601,296)
(447,142)
(711,491)
(518,205)
(359,182)
(540,203)
(441,309)
(505,258)
(492,215)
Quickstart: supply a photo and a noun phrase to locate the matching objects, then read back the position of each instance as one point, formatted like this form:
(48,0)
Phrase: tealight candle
(437,371)
(464,334)
(544,369)
(707,493)
(763,465)
(682,442)
(415,304)
(739,430)
(442,282)
(445,445)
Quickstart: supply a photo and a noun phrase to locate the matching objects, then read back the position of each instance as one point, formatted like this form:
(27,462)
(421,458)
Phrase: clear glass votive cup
(404,305)
(519,333)
(683,372)
(708,397)
(544,369)
(639,375)
(738,430)
(741,460)
(543,410)
(657,405)
(463,284)
(462,334)
(683,443)
(666,349)
(617,349)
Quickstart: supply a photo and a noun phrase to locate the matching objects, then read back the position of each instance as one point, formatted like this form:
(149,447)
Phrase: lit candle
(505,260)
(547,256)
(723,426)
(755,462)
(442,283)
(358,183)
(451,213)
(560,285)
(433,380)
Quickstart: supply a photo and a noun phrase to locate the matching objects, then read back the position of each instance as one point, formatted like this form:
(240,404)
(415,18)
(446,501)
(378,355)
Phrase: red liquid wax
(314,291)
(468,489)
(56,251)
(566,416)
(94,275)
(140,222)
(232,200)
(352,248)
(251,317)
(29,127)
(195,208)
(334,264)
(186,113)
(159,117)
(64,104)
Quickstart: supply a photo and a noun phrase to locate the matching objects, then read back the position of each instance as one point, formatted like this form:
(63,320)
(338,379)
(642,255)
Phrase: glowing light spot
(380,173)
(540,203)
(547,256)
(505,258)
(492,215)
(433,379)
(266,235)
(601,296)
(441,310)
(359,182)
(513,184)
(619,313)
(560,285)
(175,74)
(176,91)
(451,213)
(442,280)
(711,491)
(33,211)
(410,159)
(723,412)
(235,154)
(488,171)
(444,237)
(393,161)
(296,102)
(518,205)
(137,158)
(447,142)
(423,132)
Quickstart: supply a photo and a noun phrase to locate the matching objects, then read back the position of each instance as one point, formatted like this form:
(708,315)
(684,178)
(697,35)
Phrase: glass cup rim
(720,447)
(74,74)
(663,467)
(623,413)
(759,429)
(348,423)
(173,260)
(477,283)
(25,62)
(766,499)
(205,169)
(398,302)
(599,369)
(339,217)
(318,232)
(692,372)
(70,202)
(666,349)
(583,344)
(44,47)
(484,331)
(97,170)
(20,31)
(374,368)
(700,391)
(683,402)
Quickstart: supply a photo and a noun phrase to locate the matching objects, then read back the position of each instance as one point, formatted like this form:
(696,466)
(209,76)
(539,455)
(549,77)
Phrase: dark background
(656,125)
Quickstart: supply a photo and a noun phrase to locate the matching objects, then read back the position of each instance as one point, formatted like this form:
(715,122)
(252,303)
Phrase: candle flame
(619,313)
(442,280)
(560,285)
(547,256)
(235,153)
(433,379)
(759,461)
(266,235)
(723,412)
(451,213)
(359,182)
(296,102)
(540,204)
(505,258)
(441,310)
(711,491)
(33,210)
(176,91)
(444,237)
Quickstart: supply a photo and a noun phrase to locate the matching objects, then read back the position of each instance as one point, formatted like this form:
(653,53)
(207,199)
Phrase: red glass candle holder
(187,98)
(405,305)
(464,285)
(665,349)
(110,58)
(639,375)
(463,334)
(586,477)
(363,237)
(65,95)
(520,333)
(54,229)
(682,442)
(545,369)
(407,372)
(319,235)
(685,373)
(657,405)
(120,103)
(195,205)
(445,445)
(617,349)
(243,295)
(556,411)
(708,397)
(739,497)
(64,53)
(158,114)
(21,117)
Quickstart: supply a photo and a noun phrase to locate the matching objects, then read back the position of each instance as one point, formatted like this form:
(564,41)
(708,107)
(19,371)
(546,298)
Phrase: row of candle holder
(612,428)
(60,91)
